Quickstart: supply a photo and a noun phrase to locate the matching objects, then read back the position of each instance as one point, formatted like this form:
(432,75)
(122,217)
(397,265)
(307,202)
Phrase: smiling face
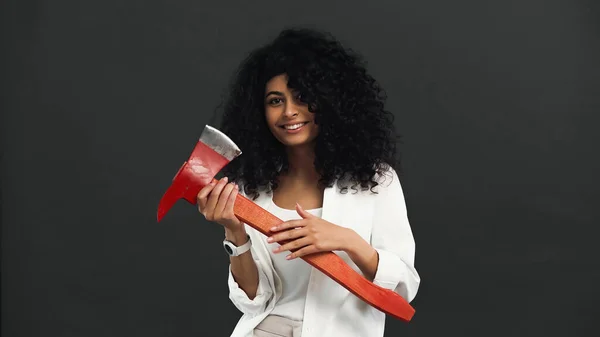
(288,118)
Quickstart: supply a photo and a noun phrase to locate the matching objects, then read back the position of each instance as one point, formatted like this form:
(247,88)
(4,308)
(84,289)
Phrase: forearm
(243,267)
(362,254)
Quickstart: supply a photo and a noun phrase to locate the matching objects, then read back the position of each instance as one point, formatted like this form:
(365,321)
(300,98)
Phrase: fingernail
(270,239)
(288,257)
(225,179)
(273,228)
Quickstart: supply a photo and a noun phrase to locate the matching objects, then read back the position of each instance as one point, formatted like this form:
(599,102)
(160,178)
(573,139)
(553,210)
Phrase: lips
(288,125)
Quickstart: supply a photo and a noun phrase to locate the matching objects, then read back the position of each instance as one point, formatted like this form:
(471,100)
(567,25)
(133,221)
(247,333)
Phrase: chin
(298,141)
(298,144)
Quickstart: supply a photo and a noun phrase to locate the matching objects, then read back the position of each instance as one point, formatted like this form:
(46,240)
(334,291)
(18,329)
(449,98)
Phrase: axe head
(212,152)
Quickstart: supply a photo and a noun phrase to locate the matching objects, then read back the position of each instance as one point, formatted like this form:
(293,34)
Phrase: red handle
(330,264)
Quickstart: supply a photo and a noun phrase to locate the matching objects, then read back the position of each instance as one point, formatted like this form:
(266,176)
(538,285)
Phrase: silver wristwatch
(233,250)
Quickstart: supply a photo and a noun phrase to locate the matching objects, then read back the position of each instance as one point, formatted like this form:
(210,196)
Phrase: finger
(213,198)
(304,214)
(293,245)
(231,201)
(220,206)
(306,250)
(288,235)
(203,194)
(289,224)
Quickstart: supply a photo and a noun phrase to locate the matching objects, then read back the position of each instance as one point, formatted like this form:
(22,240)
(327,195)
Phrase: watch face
(228,249)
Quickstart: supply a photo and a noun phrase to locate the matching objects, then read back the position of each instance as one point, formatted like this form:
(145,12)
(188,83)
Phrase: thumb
(304,214)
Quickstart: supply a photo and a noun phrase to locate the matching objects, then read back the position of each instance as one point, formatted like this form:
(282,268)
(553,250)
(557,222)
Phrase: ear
(304,214)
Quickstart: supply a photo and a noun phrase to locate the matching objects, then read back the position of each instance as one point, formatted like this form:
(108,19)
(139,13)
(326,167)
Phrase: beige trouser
(277,326)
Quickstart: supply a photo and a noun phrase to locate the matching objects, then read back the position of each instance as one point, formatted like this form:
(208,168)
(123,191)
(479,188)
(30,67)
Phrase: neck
(301,163)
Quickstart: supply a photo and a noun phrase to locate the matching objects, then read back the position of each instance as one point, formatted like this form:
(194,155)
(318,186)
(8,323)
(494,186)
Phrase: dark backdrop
(103,100)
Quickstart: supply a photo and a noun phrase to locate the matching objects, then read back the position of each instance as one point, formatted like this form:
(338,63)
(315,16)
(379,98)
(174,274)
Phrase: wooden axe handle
(330,264)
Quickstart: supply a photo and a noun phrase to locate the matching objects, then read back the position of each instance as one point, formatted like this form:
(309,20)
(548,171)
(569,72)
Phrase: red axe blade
(213,151)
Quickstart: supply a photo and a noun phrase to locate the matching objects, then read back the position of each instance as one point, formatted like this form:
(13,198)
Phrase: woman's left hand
(309,235)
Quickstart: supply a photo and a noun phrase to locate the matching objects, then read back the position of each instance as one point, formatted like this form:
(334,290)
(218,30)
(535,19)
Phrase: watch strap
(234,250)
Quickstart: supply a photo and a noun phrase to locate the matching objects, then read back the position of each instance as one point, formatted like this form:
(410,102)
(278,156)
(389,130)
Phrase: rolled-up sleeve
(264,292)
(393,240)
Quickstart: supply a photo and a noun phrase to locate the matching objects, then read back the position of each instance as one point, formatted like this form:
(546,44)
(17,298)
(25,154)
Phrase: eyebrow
(278,93)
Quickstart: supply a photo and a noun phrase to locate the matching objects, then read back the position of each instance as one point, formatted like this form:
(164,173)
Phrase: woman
(319,153)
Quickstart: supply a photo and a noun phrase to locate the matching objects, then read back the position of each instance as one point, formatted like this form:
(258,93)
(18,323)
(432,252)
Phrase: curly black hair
(356,139)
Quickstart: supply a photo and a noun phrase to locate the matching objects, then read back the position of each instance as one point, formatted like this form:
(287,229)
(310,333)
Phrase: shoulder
(384,179)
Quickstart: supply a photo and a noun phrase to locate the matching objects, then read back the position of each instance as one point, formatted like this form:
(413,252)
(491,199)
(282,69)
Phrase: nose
(291,109)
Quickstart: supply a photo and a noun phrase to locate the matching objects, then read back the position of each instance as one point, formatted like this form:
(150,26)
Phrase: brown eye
(275,101)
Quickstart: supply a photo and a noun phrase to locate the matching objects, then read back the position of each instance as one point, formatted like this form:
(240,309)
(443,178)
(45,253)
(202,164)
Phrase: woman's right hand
(215,202)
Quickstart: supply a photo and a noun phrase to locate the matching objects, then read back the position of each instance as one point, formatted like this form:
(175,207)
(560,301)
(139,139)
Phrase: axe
(212,152)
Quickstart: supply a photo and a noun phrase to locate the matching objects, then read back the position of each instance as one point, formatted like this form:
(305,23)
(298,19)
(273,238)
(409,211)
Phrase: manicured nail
(288,257)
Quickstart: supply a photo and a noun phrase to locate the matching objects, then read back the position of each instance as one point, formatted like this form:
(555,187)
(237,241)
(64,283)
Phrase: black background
(497,102)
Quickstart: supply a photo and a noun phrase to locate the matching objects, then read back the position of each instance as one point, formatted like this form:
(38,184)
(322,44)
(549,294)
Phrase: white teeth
(293,127)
